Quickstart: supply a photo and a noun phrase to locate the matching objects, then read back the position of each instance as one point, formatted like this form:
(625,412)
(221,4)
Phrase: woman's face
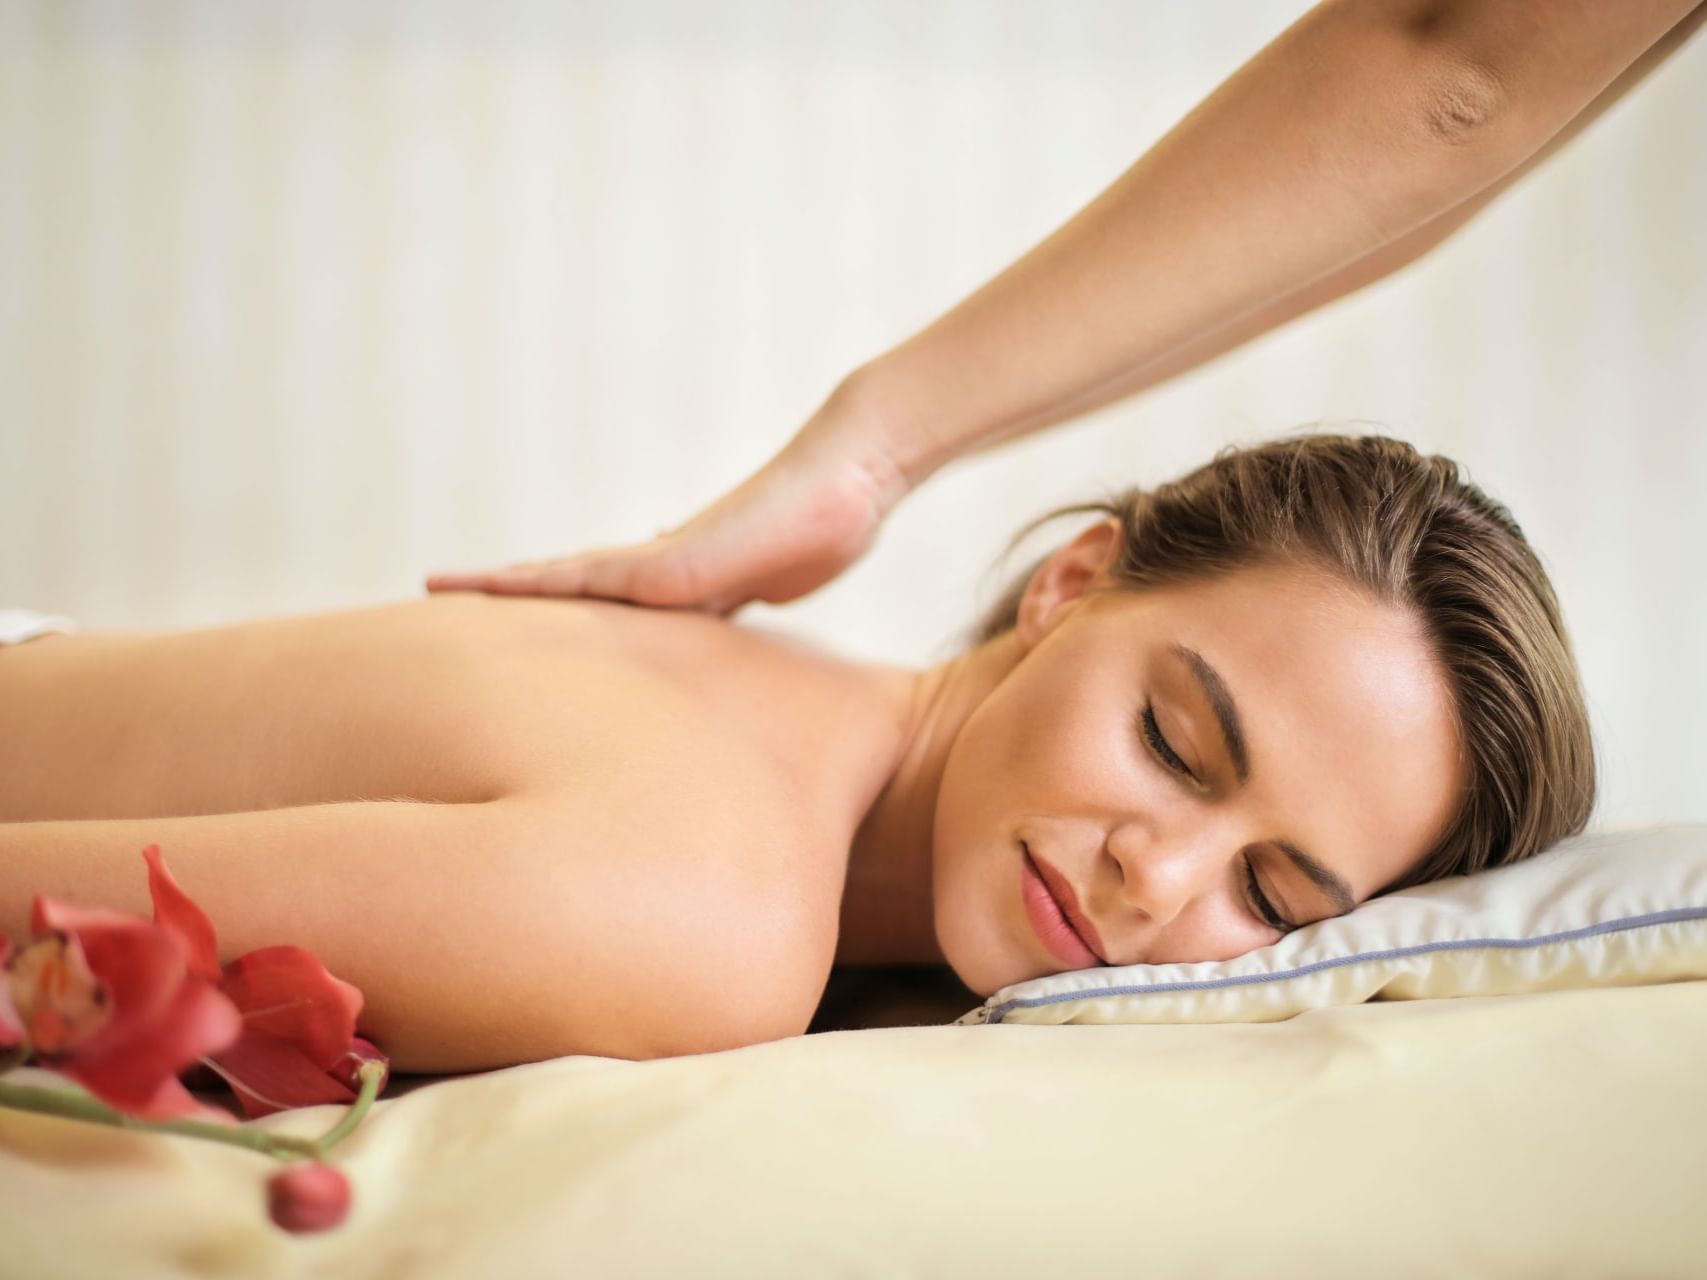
(1348,740)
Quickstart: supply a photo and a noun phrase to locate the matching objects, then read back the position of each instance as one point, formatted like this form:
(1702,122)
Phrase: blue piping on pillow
(1611,926)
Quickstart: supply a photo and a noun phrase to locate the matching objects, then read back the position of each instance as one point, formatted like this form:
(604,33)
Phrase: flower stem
(370,1073)
(74,1104)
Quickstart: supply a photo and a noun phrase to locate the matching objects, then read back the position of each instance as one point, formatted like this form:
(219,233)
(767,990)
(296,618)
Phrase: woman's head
(1406,701)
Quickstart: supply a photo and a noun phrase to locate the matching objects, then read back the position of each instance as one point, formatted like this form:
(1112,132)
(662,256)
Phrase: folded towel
(19,625)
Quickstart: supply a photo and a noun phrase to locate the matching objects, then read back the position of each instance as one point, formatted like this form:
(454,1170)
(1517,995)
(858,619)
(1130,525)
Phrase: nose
(1163,870)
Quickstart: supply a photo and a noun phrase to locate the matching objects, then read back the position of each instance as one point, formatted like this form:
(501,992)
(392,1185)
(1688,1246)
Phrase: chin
(968,924)
(976,963)
(977,990)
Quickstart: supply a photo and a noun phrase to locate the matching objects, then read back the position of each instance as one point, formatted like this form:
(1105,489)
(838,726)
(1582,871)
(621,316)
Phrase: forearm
(1379,263)
(1350,132)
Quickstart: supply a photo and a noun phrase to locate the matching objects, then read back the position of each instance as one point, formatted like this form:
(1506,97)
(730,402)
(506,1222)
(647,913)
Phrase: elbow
(1461,94)
(1463,101)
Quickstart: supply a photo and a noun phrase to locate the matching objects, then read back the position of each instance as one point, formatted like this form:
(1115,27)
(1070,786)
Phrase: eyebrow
(1233,734)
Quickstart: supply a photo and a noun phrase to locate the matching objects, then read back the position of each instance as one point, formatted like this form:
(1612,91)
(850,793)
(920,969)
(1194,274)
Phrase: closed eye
(1262,908)
(1265,909)
(1153,734)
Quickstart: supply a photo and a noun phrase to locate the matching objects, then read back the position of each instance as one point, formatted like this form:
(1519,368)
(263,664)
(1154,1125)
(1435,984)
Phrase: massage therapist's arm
(1358,138)
(1388,258)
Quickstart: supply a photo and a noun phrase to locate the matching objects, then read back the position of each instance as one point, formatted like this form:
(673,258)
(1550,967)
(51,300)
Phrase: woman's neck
(888,914)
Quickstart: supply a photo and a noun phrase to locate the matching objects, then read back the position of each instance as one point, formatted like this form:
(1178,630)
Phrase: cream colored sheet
(1558,1134)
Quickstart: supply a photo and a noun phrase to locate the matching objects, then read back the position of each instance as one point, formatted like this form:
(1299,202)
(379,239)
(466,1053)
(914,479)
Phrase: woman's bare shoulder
(683,756)
(665,930)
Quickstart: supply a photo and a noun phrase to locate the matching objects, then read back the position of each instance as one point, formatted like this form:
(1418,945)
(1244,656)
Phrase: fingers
(466,581)
(608,573)
(548,578)
(531,577)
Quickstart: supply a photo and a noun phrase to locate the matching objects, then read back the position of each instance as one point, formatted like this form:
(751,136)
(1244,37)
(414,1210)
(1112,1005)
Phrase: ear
(1064,578)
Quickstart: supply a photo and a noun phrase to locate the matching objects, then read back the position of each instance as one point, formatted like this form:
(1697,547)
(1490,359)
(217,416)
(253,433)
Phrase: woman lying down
(1304,675)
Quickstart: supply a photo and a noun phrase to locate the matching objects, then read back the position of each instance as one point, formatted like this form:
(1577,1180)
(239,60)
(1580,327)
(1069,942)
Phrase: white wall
(299,302)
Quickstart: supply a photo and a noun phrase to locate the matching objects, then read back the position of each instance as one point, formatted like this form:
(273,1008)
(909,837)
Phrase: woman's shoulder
(693,750)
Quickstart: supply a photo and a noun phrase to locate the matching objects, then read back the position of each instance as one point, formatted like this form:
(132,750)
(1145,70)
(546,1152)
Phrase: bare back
(635,725)
(451,698)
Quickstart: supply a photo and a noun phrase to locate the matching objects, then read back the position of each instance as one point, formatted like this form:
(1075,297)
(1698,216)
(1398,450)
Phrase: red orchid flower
(298,1046)
(108,1000)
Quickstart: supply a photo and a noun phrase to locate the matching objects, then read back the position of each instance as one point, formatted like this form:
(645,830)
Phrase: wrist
(892,413)
(857,425)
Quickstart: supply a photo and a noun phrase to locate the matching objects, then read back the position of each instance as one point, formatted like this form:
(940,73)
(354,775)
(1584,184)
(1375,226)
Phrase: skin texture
(1362,137)
(1365,132)
(522,828)
(1353,746)
(456,802)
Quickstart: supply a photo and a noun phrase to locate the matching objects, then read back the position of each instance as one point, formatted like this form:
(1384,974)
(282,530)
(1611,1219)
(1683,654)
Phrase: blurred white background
(300,302)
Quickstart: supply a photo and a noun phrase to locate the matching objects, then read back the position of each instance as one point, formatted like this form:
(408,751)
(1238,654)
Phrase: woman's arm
(1359,138)
(476,935)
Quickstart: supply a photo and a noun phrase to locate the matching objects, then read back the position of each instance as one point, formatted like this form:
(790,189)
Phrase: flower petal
(141,965)
(11,1029)
(269,1075)
(168,1101)
(285,992)
(140,1075)
(175,912)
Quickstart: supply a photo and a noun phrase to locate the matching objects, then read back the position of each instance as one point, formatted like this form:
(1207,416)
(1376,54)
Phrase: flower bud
(308,1195)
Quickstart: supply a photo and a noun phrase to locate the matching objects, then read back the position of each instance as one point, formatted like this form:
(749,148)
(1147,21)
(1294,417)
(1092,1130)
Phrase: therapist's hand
(793,525)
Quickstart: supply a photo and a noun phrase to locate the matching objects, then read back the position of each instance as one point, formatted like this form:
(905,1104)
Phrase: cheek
(1049,747)
(1008,749)
(981,768)
(994,776)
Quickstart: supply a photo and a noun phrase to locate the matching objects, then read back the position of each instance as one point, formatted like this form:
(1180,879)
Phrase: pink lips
(1055,915)
(1062,892)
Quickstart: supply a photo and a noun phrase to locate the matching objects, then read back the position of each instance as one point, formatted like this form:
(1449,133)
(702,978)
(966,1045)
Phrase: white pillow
(1623,906)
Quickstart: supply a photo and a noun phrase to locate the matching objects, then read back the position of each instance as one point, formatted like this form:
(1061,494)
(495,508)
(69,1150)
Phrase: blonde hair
(1410,532)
